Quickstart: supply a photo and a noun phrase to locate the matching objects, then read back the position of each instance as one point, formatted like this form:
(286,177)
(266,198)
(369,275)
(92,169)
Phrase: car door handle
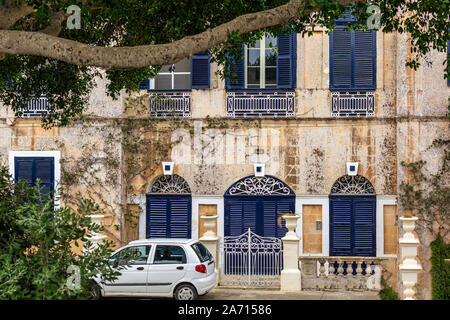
(140,268)
(180,268)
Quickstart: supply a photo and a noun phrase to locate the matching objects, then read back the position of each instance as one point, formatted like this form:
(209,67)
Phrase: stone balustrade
(342,273)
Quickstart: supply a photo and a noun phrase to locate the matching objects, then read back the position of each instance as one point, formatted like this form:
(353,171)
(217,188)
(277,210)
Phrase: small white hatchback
(179,268)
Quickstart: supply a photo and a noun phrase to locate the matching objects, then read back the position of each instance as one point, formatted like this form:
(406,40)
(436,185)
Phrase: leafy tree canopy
(131,39)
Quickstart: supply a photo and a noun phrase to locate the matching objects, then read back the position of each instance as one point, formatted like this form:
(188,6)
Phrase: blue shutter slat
(180,217)
(364,226)
(269,218)
(200,71)
(24,169)
(235,78)
(145,85)
(284,206)
(156,217)
(44,171)
(285,63)
(249,216)
(364,60)
(340,226)
(340,59)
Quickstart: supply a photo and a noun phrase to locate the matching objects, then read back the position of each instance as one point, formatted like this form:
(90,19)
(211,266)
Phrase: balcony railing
(353,104)
(36,108)
(260,104)
(170,104)
(344,273)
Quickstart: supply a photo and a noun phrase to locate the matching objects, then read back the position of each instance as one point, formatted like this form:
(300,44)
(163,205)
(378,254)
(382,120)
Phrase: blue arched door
(258,203)
(352,217)
(169,208)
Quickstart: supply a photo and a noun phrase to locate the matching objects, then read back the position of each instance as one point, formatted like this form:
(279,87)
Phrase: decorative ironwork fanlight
(259,186)
(352,185)
(173,184)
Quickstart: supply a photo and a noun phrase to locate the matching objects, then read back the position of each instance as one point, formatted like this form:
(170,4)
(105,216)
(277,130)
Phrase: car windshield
(201,251)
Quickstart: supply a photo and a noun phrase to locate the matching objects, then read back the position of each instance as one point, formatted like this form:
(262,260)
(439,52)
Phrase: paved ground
(260,294)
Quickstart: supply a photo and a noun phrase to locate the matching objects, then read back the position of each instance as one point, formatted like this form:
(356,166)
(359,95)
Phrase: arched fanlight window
(169,184)
(352,185)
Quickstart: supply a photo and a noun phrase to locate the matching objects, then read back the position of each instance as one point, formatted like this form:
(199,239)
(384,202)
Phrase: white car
(179,268)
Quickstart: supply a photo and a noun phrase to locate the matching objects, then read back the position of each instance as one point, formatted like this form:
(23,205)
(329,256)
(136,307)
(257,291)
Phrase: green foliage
(36,244)
(427,195)
(387,293)
(440,269)
(138,22)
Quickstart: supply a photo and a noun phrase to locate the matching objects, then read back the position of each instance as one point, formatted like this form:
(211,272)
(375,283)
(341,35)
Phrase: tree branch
(37,43)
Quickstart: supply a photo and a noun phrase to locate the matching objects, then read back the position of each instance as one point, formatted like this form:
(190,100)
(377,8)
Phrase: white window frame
(262,64)
(172,74)
(56,155)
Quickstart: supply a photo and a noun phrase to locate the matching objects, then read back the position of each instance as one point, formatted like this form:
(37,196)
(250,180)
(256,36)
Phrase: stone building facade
(224,136)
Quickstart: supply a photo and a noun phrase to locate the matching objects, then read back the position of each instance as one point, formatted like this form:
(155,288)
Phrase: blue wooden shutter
(284,205)
(340,226)
(272,210)
(364,60)
(145,85)
(157,208)
(180,217)
(168,216)
(34,168)
(352,60)
(286,61)
(200,71)
(364,226)
(340,59)
(235,80)
(240,214)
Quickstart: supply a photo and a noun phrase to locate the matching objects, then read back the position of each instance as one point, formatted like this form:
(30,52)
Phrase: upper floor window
(177,76)
(261,63)
(189,73)
(353,58)
(268,64)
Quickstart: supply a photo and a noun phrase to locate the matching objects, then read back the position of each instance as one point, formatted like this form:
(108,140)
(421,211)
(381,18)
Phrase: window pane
(253,57)
(169,255)
(201,251)
(270,41)
(253,76)
(257,44)
(163,82)
(271,58)
(183,66)
(182,81)
(135,255)
(271,76)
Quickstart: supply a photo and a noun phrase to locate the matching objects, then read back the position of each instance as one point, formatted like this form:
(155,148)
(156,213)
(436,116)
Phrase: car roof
(163,240)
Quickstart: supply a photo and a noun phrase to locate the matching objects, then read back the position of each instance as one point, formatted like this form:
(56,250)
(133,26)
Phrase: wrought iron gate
(251,260)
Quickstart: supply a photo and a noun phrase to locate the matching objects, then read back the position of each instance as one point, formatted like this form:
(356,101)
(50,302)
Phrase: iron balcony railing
(170,104)
(353,104)
(36,108)
(256,104)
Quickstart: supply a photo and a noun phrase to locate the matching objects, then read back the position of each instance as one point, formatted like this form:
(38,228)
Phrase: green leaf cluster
(37,243)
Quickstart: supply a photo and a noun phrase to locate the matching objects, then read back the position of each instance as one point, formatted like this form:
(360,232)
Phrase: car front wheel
(185,292)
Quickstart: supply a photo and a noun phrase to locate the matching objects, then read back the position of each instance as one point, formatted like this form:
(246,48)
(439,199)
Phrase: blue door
(261,214)
(353,226)
(168,216)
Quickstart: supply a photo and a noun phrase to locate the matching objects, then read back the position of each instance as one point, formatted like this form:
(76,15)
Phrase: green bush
(36,245)
(440,269)
(387,293)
